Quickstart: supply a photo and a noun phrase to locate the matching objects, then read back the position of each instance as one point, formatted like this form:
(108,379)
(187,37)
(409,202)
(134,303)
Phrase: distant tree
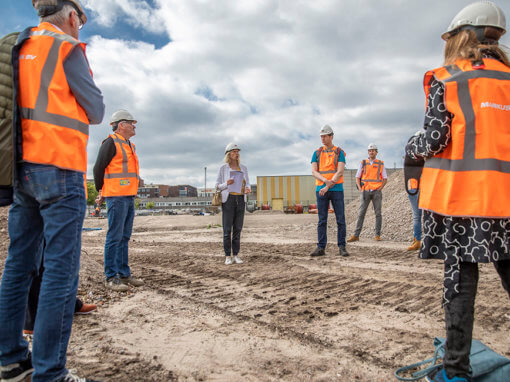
(137,203)
(92,193)
(150,205)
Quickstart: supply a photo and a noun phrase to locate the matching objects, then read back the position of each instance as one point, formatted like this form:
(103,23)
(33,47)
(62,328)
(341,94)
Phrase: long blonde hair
(465,45)
(227,159)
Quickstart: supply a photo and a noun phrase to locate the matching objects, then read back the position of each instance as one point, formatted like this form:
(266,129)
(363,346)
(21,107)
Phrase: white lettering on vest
(495,106)
(27,57)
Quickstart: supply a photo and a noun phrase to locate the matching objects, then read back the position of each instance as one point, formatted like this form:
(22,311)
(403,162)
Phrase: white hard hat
(230,147)
(372,146)
(326,130)
(49,7)
(121,115)
(479,14)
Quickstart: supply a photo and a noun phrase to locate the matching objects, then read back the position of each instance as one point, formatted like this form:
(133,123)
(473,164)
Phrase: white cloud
(266,74)
(138,13)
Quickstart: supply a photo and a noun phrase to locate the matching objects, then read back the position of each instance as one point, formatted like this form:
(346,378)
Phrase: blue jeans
(121,213)
(337,200)
(49,203)
(232,219)
(416,214)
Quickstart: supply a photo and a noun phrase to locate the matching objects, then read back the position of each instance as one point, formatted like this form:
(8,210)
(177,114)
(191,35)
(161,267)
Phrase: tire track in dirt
(378,307)
(272,303)
(396,294)
(289,276)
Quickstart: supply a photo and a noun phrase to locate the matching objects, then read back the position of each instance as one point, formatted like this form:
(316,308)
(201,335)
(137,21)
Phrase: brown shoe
(87,309)
(353,238)
(415,246)
(28,332)
(131,281)
(378,238)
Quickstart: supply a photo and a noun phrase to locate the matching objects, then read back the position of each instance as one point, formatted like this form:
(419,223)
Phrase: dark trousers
(337,201)
(33,298)
(232,218)
(459,317)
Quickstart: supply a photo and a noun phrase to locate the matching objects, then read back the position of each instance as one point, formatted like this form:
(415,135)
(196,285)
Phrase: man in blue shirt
(328,164)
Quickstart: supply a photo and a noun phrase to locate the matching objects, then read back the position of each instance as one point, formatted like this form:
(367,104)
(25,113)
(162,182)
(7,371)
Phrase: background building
(148,191)
(206,193)
(287,190)
(171,203)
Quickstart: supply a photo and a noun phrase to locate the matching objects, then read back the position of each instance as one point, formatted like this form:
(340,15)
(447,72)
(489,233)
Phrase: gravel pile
(396,213)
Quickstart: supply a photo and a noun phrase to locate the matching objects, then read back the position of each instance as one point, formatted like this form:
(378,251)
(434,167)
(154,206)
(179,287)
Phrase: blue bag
(486,364)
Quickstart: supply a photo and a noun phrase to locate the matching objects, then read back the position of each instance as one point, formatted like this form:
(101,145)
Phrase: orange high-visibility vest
(471,177)
(371,174)
(327,163)
(55,128)
(412,184)
(121,175)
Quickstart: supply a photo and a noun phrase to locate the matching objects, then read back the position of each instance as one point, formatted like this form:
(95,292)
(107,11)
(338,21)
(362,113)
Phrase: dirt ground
(280,316)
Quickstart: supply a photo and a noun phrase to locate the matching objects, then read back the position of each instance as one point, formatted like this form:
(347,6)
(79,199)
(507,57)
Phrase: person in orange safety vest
(55,100)
(370,179)
(328,164)
(466,172)
(116,175)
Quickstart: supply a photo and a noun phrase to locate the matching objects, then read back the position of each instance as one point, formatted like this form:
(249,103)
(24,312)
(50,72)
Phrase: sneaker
(86,309)
(237,260)
(342,251)
(318,252)
(130,280)
(70,377)
(440,376)
(228,260)
(353,238)
(415,246)
(114,283)
(17,372)
(378,238)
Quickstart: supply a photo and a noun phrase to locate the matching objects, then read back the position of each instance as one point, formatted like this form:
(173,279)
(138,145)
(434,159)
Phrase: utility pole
(205,181)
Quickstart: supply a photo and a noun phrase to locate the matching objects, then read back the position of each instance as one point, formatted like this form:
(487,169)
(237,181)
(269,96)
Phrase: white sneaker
(237,260)
(228,260)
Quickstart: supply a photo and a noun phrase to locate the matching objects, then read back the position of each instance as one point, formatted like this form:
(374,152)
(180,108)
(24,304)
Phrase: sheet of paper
(238,177)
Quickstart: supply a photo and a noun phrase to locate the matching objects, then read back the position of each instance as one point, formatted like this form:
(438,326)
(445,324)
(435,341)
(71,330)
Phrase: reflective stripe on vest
(471,176)
(371,174)
(121,175)
(55,131)
(327,167)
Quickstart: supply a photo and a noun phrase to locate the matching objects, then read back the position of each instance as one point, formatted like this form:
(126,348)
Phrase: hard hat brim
(124,120)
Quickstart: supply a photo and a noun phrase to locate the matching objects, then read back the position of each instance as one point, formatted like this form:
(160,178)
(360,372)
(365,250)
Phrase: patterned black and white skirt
(455,240)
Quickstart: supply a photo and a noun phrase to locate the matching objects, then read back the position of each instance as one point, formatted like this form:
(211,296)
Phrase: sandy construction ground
(280,316)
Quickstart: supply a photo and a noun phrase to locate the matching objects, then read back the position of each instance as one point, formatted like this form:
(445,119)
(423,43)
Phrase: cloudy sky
(266,74)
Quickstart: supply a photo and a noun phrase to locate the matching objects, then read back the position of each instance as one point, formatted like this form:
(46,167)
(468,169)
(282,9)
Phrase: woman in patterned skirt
(464,188)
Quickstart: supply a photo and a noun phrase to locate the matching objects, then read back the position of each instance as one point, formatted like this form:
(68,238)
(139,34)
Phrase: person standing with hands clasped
(234,184)
(328,164)
(116,175)
(466,176)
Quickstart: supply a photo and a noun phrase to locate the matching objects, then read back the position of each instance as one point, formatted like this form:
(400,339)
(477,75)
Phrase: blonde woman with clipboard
(234,184)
